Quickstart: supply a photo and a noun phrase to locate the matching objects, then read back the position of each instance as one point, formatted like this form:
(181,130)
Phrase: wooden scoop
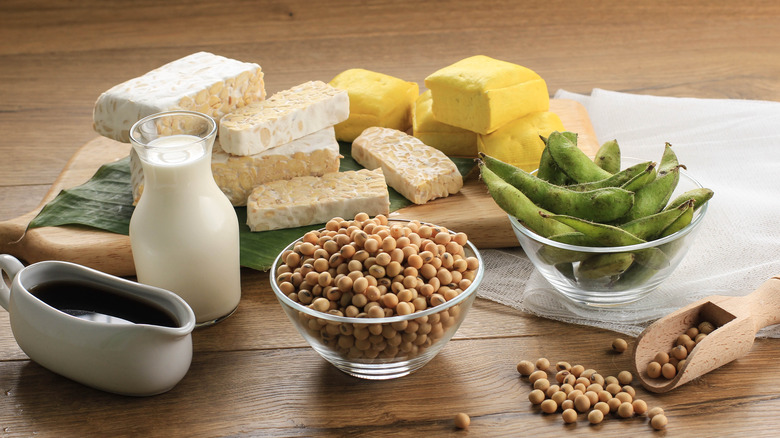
(737,319)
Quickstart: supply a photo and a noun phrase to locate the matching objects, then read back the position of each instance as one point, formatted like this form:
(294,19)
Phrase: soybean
(462,420)
(620,345)
(595,416)
(549,406)
(625,377)
(625,410)
(569,416)
(536,396)
(525,367)
(659,421)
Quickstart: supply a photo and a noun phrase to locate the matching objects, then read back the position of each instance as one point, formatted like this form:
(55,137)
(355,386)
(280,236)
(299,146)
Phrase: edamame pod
(620,179)
(572,161)
(600,205)
(602,234)
(650,227)
(605,265)
(554,255)
(635,275)
(608,157)
(682,221)
(514,202)
(641,179)
(669,160)
(574,238)
(653,197)
(567,269)
(548,170)
(652,258)
(699,195)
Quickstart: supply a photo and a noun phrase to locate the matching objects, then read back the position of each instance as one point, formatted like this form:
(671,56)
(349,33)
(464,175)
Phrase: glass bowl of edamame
(612,275)
(377,298)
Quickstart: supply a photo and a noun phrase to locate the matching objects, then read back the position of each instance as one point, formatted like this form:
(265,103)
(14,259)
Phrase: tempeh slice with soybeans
(418,172)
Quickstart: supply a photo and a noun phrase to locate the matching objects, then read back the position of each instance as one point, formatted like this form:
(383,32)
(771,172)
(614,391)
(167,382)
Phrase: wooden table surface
(252,375)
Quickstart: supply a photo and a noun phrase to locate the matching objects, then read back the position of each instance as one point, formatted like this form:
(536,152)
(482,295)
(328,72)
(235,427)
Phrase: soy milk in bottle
(184,231)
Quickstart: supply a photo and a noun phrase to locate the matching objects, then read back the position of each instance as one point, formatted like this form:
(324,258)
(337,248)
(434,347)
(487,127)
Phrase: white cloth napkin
(730,146)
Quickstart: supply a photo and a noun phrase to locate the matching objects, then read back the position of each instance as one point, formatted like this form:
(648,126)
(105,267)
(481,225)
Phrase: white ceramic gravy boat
(126,358)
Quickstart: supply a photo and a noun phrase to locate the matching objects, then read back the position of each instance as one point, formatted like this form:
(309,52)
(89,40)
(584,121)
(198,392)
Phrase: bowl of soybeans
(377,298)
(610,275)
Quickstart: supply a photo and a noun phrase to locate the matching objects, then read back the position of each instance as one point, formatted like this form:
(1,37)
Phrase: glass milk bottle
(184,231)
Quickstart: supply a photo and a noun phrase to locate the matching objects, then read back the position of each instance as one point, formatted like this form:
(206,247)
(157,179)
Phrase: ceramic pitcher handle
(11,266)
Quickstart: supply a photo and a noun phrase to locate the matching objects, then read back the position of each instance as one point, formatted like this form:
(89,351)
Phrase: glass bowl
(654,261)
(380,348)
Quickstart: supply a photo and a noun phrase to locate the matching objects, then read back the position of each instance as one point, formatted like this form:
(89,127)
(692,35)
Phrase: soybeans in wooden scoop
(737,319)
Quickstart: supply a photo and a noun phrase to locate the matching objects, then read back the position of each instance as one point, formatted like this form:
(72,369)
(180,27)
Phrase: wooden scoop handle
(764,304)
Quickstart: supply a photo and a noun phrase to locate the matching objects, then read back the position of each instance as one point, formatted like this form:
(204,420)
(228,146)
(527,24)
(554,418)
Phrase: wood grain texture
(253,376)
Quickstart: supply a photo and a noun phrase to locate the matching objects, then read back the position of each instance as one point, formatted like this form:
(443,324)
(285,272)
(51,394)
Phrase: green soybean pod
(635,275)
(603,234)
(514,202)
(652,257)
(619,179)
(608,156)
(567,269)
(669,160)
(653,197)
(605,265)
(600,205)
(548,170)
(572,161)
(682,221)
(700,196)
(554,255)
(642,179)
(651,226)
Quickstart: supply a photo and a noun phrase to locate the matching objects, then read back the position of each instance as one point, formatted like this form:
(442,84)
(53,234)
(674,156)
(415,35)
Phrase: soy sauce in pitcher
(100,304)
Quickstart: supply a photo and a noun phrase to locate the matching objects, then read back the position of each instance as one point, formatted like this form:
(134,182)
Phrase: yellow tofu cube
(453,141)
(375,99)
(482,94)
(518,141)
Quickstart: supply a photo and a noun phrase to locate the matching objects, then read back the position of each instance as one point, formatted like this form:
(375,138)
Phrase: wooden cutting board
(472,210)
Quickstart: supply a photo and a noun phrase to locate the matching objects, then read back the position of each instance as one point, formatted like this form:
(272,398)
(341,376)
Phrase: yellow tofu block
(375,99)
(453,141)
(518,141)
(482,94)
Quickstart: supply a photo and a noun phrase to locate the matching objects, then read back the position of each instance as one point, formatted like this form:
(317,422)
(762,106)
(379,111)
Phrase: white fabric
(730,146)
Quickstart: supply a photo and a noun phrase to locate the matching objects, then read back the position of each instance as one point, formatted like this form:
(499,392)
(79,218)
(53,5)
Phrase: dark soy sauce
(97,303)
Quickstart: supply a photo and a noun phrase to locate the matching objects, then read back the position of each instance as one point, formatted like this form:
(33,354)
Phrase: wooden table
(252,375)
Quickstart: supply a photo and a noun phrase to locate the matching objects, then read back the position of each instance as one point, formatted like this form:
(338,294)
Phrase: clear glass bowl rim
(610,249)
(345,319)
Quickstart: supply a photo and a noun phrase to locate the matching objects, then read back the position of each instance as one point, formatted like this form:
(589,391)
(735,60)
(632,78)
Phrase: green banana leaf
(106,202)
